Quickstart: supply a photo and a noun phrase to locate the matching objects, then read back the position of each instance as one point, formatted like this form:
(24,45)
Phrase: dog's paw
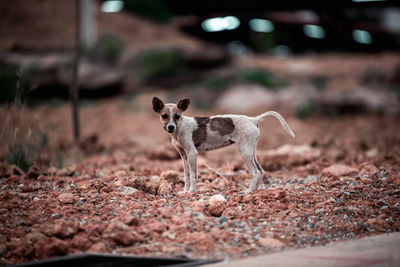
(192,190)
(243,193)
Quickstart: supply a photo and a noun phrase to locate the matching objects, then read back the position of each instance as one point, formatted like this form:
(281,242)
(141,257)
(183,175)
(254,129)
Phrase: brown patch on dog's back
(222,125)
(200,134)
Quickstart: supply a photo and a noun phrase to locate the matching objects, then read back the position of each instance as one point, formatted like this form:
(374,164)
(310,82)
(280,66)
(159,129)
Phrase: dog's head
(170,114)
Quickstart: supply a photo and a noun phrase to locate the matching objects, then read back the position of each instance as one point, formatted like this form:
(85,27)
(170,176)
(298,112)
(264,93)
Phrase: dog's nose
(171,128)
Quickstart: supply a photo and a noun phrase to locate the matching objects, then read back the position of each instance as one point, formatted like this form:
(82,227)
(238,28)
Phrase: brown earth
(339,179)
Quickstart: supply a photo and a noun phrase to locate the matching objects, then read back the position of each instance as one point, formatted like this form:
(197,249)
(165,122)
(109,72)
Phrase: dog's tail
(279,117)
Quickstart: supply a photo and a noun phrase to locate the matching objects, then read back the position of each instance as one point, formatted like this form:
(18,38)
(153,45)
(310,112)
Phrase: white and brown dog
(192,135)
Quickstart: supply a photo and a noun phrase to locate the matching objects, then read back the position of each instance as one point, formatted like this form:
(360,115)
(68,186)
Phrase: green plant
(319,82)
(18,155)
(216,84)
(22,143)
(159,63)
(262,77)
(305,109)
(108,48)
(15,83)
(25,145)
(374,76)
(263,42)
(8,80)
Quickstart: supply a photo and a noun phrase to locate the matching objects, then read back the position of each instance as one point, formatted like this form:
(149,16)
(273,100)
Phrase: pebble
(126,190)
(222,219)
(216,205)
(56,215)
(337,170)
(66,198)
(270,242)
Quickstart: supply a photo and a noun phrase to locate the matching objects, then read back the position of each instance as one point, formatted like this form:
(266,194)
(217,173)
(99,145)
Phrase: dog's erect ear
(157,104)
(183,104)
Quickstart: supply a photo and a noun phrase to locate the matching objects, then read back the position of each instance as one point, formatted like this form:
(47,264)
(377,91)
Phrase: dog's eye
(164,116)
(177,116)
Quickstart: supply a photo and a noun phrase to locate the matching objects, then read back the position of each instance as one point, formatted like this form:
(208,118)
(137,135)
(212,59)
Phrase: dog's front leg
(192,160)
(186,170)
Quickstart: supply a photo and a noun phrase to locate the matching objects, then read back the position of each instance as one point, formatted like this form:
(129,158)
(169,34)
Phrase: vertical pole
(88,23)
(74,89)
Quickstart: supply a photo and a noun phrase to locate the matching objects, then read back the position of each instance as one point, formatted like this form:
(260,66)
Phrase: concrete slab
(380,250)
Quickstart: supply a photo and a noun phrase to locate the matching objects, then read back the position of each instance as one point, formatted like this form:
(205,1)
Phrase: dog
(191,135)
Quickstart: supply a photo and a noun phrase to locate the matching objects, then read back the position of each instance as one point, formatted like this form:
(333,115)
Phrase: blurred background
(81,147)
(304,59)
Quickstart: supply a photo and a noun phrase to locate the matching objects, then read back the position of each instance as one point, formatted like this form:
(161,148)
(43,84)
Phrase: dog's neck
(179,127)
(183,125)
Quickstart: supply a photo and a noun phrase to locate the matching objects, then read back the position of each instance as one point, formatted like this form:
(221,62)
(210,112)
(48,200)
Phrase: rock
(50,247)
(65,229)
(361,100)
(170,176)
(216,199)
(165,188)
(153,184)
(138,182)
(33,237)
(376,222)
(337,170)
(126,190)
(94,231)
(197,206)
(14,169)
(371,153)
(116,225)
(232,212)
(66,198)
(3,249)
(33,172)
(81,242)
(157,227)
(216,205)
(66,172)
(52,70)
(52,170)
(119,232)
(124,238)
(367,168)
(270,242)
(288,155)
(281,195)
(56,216)
(98,247)
(130,220)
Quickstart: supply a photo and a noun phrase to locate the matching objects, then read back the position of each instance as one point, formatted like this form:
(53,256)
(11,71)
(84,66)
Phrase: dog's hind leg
(260,169)
(192,160)
(247,148)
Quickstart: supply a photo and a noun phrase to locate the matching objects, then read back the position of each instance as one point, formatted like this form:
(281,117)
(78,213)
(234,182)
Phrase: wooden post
(88,31)
(74,89)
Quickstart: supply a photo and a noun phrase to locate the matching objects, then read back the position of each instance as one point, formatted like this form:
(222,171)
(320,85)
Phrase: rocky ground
(339,179)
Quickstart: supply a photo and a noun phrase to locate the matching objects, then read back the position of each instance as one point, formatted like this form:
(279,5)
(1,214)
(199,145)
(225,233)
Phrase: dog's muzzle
(170,128)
